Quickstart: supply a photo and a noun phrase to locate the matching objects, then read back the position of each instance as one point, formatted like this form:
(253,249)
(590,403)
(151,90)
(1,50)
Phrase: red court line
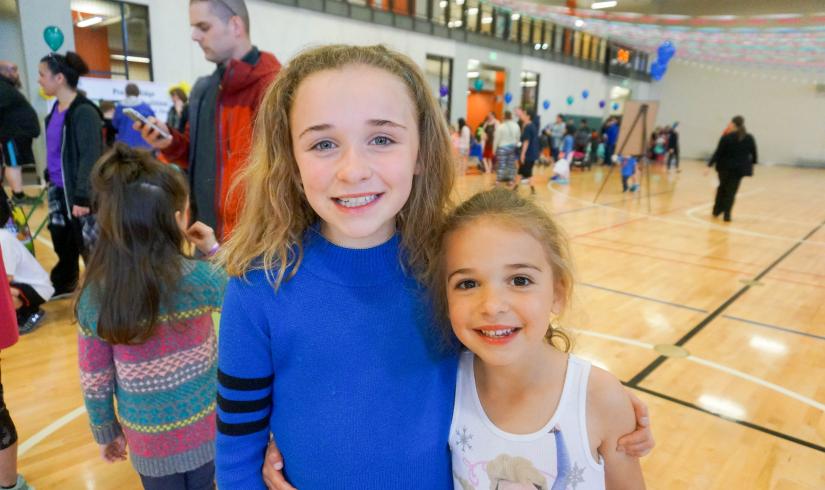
(709,257)
(666,259)
(616,225)
(699,265)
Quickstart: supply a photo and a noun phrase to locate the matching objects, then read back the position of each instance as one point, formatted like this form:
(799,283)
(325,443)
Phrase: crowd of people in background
(95,206)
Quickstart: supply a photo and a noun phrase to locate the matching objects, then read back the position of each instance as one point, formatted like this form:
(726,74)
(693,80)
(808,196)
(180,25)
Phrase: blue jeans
(201,478)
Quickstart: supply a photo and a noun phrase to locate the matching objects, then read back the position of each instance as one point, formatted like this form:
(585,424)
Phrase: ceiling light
(515,16)
(486,20)
(90,21)
(603,5)
(442,3)
(472,74)
(130,59)
(472,11)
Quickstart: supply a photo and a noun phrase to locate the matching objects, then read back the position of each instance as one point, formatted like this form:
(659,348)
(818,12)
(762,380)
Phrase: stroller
(580,159)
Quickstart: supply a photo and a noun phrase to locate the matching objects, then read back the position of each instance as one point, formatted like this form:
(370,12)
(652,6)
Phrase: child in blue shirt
(629,174)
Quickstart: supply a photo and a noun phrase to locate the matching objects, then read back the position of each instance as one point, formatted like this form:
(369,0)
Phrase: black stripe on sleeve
(237,406)
(243,429)
(244,384)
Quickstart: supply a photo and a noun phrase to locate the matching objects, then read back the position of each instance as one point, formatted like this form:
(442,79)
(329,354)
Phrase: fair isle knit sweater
(165,387)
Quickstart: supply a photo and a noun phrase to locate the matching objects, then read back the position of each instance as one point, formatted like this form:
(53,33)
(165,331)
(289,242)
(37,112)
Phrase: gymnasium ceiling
(785,36)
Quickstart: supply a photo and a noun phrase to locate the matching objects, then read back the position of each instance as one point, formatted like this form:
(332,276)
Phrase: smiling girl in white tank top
(527,414)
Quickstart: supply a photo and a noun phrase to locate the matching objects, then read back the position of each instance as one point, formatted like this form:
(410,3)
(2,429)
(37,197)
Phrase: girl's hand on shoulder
(639,442)
(203,237)
(610,415)
(273,469)
(114,451)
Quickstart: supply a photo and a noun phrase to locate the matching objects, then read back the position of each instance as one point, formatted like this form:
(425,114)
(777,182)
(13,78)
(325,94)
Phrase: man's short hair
(226,9)
(508,115)
(132,90)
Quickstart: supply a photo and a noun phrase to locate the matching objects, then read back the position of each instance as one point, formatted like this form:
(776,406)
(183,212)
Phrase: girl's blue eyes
(324,146)
(327,145)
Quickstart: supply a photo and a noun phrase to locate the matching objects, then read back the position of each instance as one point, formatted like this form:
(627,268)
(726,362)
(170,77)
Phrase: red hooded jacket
(239,95)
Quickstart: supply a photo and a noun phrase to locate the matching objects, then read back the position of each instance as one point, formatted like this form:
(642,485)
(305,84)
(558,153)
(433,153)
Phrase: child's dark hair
(70,65)
(508,208)
(136,263)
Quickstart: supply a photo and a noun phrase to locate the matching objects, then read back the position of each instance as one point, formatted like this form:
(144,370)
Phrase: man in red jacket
(222,107)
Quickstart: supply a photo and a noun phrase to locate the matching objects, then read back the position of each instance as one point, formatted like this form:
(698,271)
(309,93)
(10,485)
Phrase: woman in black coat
(734,158)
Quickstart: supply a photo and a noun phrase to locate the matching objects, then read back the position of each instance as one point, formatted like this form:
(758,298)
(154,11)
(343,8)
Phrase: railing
(486,25)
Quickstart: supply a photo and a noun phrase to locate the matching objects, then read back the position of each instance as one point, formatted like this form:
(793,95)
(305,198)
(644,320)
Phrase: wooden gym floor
(718,327)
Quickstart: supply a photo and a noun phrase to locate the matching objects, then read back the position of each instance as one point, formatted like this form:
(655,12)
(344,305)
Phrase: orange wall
(479,104)
(93,46)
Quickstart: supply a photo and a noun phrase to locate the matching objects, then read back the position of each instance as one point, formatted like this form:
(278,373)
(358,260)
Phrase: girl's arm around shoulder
(245,383)
(609,416)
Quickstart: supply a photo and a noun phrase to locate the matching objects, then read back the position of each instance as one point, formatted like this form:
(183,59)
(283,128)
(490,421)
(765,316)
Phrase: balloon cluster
(659,67)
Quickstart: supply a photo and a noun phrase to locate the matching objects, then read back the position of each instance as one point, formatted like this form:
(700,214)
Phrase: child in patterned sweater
(146,335)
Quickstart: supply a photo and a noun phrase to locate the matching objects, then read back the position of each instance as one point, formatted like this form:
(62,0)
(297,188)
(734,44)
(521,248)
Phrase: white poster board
(153,93)
(642,129)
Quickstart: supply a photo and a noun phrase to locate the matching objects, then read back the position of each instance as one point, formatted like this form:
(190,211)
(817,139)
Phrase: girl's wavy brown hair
(275,213)
(508,208)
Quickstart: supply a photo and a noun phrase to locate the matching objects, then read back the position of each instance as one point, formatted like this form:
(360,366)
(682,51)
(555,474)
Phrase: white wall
(286,30)
(786,118)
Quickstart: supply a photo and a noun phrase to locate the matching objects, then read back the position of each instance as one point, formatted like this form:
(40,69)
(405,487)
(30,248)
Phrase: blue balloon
(585,94)
(615,106)
(658,70)
(666,51)
(546,104)
(508,97)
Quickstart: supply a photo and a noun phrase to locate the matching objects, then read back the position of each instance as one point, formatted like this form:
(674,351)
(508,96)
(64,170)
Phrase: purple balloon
(443,90)
(601,104)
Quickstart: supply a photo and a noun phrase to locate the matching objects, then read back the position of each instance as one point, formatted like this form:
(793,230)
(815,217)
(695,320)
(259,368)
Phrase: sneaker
(23,199)
(31,324)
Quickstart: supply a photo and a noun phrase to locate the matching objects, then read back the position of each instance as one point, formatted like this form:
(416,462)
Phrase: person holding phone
(216,141)
(123,124)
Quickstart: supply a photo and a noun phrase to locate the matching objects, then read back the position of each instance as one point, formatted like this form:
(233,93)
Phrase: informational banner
(153,93)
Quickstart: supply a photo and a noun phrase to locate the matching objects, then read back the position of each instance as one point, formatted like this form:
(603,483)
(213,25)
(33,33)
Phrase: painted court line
(646,298)
(49,430)
(774,327)
(695,222)
(713,365)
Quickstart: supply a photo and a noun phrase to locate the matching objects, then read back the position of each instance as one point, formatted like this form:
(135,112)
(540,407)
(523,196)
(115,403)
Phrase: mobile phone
(138,117)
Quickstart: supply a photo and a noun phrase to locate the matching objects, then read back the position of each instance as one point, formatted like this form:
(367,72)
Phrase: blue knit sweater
(343,367)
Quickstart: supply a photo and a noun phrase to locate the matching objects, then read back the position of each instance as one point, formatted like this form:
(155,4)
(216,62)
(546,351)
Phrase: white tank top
(556,457)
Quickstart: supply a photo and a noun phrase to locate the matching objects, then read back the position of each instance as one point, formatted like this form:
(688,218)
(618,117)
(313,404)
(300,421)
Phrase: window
(526,30)
(473,15)
(487,18)
(529,90)
(439,73)
(456,14)
(112,37)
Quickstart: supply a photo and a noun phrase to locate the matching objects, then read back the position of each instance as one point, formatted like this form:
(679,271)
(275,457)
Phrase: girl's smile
(355,139)
(500,291)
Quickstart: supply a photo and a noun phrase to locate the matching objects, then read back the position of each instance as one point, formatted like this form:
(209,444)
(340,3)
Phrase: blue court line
(774,327)
(677,305)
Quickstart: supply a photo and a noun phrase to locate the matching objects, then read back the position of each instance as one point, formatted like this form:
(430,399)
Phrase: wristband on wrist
(214,249)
